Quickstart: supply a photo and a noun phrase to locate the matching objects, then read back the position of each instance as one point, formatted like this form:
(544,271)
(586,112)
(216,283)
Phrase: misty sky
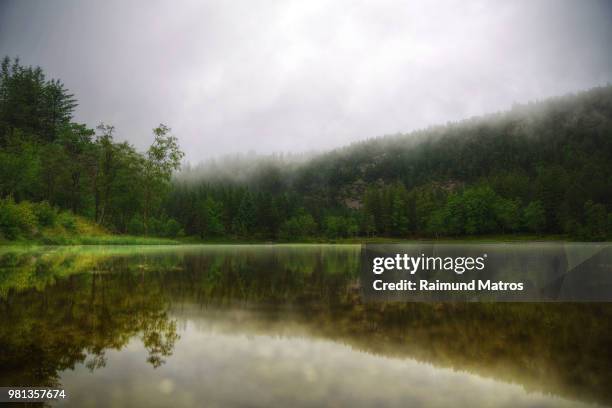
(277,76)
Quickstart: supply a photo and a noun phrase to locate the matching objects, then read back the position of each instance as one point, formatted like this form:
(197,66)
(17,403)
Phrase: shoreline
(126,240)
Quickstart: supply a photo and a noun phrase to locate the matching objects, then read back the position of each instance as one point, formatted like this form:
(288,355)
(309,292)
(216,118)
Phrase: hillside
(571,131)
(543,167)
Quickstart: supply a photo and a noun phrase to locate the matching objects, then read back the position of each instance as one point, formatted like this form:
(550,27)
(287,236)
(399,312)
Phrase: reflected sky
(223,359)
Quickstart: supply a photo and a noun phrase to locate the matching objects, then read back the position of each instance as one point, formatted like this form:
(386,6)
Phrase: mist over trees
(543,168)
(540,168)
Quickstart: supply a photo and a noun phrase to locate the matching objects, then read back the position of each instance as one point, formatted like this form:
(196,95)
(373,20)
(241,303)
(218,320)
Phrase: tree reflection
(76,320)
(54,316)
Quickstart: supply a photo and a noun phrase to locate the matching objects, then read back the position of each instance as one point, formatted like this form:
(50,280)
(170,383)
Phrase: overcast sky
(276,76)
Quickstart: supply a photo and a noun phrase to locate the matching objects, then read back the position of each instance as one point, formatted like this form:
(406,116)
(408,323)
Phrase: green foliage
(388,210)
(340,227)
(67,221)
(160,161)
(534,217)
(476,210)
(135,225)
(244,222)
(31,103)
(16,220)
(508,213)
(210,218)
(156,226)
(298,226)
(427,199)
(479,210)
(595,222)
(46,215)
(540,168)
(20,167)
(161,227)
(173,229)
(40,222)
(44,156)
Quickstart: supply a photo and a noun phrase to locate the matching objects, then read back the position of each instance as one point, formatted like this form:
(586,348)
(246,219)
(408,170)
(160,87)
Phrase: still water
(275,325)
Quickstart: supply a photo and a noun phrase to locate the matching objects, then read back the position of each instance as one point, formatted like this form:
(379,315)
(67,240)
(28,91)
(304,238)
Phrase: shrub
(68,221)
(298,227)
(16,219)
(172,228)
(156,227)
(340,227)
(508,214)
(534,217)
(135,225)
(45,214)
(595,227)
(437,222)
(476,210)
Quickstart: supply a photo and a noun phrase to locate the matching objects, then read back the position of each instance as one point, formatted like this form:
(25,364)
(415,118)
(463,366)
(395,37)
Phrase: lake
(279,325)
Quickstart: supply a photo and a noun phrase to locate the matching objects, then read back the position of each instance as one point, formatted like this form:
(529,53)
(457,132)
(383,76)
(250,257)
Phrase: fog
(297,76)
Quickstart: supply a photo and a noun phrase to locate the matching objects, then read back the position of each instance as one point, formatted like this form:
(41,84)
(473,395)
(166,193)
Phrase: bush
(476,210)
(172,228)
(45,214)
(595,227)
(156,227)
(437,223)
(299,226)
(340,227)
(508,213)
(534,217)
(16,219)
(135,225)
(68,221)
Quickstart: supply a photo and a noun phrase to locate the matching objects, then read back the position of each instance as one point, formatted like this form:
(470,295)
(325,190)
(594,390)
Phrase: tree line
(543,168)
(540,168)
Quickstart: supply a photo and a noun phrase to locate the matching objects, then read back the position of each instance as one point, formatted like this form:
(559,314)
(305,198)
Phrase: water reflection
(270,325)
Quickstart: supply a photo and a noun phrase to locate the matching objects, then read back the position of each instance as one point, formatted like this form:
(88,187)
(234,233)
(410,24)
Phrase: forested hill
(573,131)
(540,167)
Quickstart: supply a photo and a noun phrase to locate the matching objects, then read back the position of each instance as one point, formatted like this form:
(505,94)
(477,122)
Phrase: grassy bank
(90,240)
(28,223)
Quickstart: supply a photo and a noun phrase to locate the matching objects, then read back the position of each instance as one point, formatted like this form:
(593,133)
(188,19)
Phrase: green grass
(123,240)
(92,240)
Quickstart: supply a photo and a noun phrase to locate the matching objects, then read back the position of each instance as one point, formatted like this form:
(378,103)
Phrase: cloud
(290,75)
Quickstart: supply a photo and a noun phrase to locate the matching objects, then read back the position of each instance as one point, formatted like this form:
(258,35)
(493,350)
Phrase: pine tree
(58,106)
